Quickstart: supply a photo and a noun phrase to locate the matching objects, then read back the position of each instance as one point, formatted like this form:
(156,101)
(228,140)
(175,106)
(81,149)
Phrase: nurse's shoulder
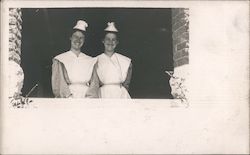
(63,56)
(123,57)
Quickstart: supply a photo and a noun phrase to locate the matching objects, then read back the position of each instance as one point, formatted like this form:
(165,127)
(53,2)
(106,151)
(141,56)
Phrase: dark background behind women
(145,37)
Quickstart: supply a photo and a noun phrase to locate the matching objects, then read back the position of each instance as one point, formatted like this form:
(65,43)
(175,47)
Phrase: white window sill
(60,102)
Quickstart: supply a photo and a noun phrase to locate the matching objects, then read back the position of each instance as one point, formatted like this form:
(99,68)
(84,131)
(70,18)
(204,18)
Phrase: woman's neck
(77,52)
(109,53)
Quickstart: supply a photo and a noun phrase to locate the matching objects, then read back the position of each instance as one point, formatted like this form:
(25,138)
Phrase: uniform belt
(117,84)
(84,84)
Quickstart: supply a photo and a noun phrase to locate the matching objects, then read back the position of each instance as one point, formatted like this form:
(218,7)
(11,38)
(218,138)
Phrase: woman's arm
(128,78)
(93,91)
(60,80)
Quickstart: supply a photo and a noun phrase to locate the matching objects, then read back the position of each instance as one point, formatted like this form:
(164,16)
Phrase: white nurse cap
(111,27)
(81,25)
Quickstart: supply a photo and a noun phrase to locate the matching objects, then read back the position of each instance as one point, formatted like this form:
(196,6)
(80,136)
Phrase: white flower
(15,78)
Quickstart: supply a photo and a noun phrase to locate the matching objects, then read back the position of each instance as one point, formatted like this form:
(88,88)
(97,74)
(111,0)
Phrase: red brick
(182,61)
(180,39)
(180,15)
(180,35)
(185,36)
(177,55)
(180,31)
(175,64)
(182,9)
(175,42)
(174,35)
(182,45)
(184,52)
(178,23)
(174,49)
(175,11)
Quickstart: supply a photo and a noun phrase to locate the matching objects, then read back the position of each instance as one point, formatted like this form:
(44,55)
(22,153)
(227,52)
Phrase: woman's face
(77,40)
(110,42)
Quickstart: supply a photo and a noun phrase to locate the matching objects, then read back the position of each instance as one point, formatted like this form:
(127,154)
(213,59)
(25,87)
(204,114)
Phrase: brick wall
(15,27)
(16,75)
(180,29)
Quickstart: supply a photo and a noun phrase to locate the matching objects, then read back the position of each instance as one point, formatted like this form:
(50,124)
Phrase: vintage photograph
(124,77)
(98,52)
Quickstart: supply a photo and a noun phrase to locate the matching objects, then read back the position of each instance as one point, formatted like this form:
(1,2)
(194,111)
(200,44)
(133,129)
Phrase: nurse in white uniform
(112,72)
(72,70)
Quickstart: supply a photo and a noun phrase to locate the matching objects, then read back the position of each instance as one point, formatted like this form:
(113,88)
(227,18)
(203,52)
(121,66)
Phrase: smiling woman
(72,70)
(112,73)
(145,36)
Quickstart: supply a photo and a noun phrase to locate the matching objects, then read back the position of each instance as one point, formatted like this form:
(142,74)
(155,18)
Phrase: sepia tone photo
(150,41)
(124,77)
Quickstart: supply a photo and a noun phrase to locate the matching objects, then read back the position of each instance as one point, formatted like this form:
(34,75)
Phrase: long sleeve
(128,78)
(59,80)
(93,91)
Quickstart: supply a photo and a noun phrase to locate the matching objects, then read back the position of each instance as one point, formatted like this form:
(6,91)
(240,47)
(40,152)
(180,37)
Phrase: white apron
(112,72)
(79,70)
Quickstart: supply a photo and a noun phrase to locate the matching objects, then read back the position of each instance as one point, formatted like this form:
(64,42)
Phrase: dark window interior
(144,34)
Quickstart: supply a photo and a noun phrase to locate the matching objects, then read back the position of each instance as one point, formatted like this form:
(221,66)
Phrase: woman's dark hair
(106,32)
(75,30)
